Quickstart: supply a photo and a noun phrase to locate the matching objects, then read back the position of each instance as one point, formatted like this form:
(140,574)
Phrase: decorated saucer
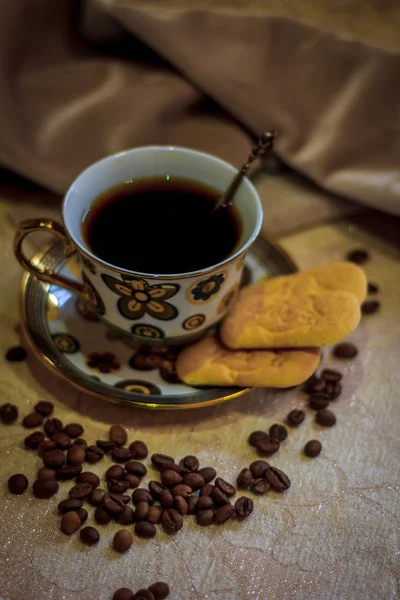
(73,342)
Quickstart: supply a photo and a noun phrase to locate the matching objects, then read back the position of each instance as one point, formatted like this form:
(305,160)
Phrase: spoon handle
(264,145)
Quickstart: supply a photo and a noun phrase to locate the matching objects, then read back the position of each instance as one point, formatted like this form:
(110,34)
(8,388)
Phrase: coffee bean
(224,513)
(136,467)
(372,288)
(142,508)
(45,488)
(76,455)
(101,516)
(278,431)
(118,435)
(32,420)
(142,495)
(318,401)
(127,517)
(182,490)
(73,430)
(46,446)
(123,540)
(94,454)
(105,445)
(204,503)
(244,507)
(33,440)
(133,480)
(16,354)
(345,350)
(244,479)
(333,389)
(121,454)
(358,256)
(166,499)
(160,590)
(154,514)
(117,486)
(51,426)
(70,522)
(97,497)
(172,521)
(82,514)
(115,472)
(312,448)
(208,473)
(257,436)
(89,536)
(143,594)
(225,487)
(316,387)
(308,386)
(260,486)
(331,375)
(219,497)
(191,502)
(267,447)
(54,459)
(62,440)
(123,594)
(279,481)
(90,478)
(138,450)
(295,417)
(44,408)
(190,463)
(205,517)
(181,505)
(80,442)
(8,413)
(17,483)
(325,417)
(194,480)
(68,472)
(81,491)
(370,307)
(258,468)
(159,460)
(206,490)
(45,473)
(70,504)
(144,529)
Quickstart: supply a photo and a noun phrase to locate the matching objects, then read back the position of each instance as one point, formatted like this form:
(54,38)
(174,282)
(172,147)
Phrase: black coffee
(161,225)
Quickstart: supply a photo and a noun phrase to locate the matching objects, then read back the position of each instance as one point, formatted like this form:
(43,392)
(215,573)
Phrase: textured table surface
(333,535)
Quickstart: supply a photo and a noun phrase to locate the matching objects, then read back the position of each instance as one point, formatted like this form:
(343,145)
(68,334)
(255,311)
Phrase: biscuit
(318,307)
(207,362)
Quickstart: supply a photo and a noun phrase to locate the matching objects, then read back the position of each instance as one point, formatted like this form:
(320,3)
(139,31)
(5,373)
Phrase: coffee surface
(161,225)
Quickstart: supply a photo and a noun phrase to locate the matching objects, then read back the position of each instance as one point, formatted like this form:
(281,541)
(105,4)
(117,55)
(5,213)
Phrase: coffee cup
(149,308)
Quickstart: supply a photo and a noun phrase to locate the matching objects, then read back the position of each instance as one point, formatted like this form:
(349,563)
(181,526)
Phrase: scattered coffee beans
(295,417)
(345,350)
(194,480)
(370,307)
(159,460)
(260,486)
(138,450)
(313,448)
(142,495)
(68,472)
(325,417)
(170,478)
(190,463)
(205,517)
(105,445)
(8,413)
(244,479)
(117,486)
(80,442)
(80,491)
(118,435)
(133,480)
(101,516)
(114,504)
(51,426)
(142,508)
(16,354)
(144,529)
(73,430)
(278,431)
(172,521)
(70,504)
(127,516)
(89,536)
(225,487)
(82,514)
(154,514)
(244,507)
(160,590)
(45,488)
(123,594)
(62,440)
(208,474)
(279,481)
(224,513)
(45,473)
(318,401)
(136,467)
(54,459)
(32,420)
(258,468)
(75,455)
(44,408)
(358,256)
(143,594)
(33,440)
(97,497)
(94,454)
(70,522)
(372,288)
(268,446)
(256,437)
(46,446)
(331,376)
(17,483)
(123,540)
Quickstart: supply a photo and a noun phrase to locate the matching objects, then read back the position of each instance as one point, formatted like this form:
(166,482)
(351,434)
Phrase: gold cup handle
(46,275)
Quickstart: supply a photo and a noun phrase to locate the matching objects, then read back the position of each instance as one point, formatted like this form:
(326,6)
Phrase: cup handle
(46,275)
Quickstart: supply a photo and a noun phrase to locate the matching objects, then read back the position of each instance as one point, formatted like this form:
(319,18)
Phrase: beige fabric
(324,74)
(333,535)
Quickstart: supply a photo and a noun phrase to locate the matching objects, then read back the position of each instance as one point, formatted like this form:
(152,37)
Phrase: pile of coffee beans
(360,256)
(157,591)
(261,477)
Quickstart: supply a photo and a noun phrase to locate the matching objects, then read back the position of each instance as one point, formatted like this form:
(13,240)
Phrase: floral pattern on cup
(85,310)
(193,322)
(138,297)
(138,386)
(227,299)
(66,343)
(204,290)
(93,296)
(147,331)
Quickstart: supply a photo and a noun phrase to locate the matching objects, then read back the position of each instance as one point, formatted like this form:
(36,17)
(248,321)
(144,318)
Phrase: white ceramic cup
(150,308)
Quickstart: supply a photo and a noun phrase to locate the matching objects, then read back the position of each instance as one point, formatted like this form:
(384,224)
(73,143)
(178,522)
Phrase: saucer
(73,342)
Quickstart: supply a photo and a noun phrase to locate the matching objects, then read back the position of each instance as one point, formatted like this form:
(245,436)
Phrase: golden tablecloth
(333,535)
